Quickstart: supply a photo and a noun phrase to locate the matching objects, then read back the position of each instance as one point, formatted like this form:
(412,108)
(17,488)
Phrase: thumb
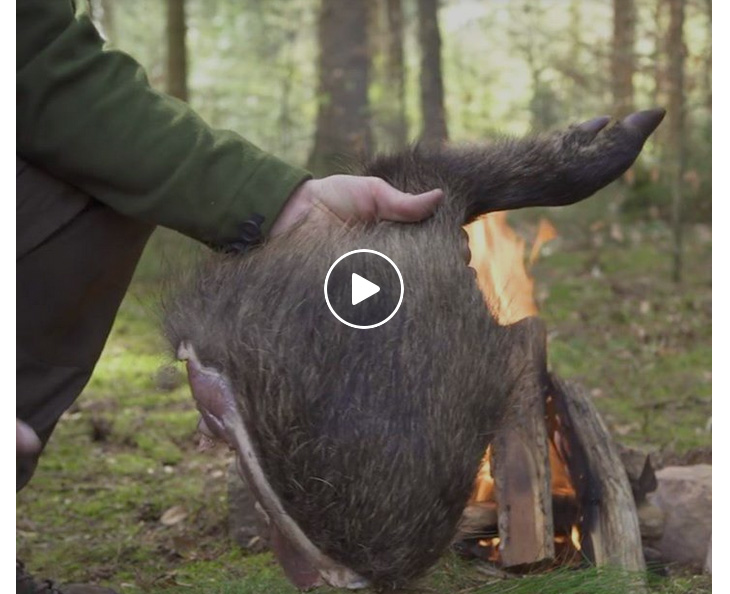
(395,205)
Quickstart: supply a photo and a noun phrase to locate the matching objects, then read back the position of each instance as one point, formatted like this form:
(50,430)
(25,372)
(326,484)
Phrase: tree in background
(676,153)
(623,57)
(343,118)
(577,80)
(107,18)
(102,13)
(177,67)
(658,56)
(708,60)
(395,123)
(507,66)
(386,38)
(432,86)
(529,19)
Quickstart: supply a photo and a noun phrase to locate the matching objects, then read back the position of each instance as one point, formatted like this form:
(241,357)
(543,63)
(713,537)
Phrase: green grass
(616,323)
(638,341)
(454,576)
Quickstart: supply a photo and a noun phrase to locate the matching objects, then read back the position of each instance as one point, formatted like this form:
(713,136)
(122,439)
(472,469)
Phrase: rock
(168,378)
(708,558)
(684,493)
(699,455)
(655,562)
(653,557)
(476,518)
(640,471)
(246,525)
(100,428)
(651,521)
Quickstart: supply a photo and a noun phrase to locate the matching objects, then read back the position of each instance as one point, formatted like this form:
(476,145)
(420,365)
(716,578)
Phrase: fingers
(26,440)
(349,198)
(394,205)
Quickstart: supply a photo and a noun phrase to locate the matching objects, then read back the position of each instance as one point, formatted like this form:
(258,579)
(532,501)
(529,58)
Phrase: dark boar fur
(371,439)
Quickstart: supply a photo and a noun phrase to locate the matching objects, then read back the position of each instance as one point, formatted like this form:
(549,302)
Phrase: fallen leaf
(626,429)
(617,233)
(174,515)
(597,393)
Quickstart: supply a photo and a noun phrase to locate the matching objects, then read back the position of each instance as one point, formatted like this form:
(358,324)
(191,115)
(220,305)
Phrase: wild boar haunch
(362,445)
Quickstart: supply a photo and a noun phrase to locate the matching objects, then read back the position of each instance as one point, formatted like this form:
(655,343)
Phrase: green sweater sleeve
(89,116)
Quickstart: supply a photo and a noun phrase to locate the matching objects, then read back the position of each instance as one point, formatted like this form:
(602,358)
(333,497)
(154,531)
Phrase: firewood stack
(560,491)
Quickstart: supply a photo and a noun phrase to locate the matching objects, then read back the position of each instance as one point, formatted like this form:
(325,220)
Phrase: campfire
(551,488)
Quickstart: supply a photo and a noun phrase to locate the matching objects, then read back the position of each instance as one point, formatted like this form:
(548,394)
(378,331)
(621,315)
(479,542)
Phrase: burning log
(552,473)
(525,506)
(611,528)
(566,513)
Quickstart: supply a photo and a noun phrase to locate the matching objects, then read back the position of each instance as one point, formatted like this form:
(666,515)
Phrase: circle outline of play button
(327,279)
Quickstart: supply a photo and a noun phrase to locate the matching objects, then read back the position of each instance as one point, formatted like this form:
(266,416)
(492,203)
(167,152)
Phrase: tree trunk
(676,127)
(577,42)
(343,118)
(708,61)
(395,89)
(103,16)
(544,104)
(176,50)
(623,61)
(432,86)
(658,56)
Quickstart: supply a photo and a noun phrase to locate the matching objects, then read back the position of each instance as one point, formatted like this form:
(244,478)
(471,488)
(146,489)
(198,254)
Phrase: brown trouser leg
(75,259)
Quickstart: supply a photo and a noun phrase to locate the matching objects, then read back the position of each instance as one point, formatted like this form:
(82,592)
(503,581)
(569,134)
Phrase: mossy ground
(126,452)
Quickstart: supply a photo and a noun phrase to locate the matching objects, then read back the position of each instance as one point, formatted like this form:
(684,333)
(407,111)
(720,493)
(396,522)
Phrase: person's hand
(26,440)
(348,198)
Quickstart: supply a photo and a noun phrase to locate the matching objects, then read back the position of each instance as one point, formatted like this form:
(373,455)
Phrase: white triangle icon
(362,288)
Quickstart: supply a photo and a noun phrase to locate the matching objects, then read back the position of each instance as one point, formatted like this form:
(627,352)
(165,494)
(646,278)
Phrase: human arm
(89,116)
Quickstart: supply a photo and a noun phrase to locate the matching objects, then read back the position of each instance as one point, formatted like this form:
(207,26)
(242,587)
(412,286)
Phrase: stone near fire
(684,493)
(651,521)
(477,516)
(639,469)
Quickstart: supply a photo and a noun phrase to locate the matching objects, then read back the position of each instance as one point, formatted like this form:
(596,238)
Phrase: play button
(363,289)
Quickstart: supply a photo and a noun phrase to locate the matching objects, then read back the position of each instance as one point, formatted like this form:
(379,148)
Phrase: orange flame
(498,257)
(560,483)
(545,232)
(575,537)
(484,484)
